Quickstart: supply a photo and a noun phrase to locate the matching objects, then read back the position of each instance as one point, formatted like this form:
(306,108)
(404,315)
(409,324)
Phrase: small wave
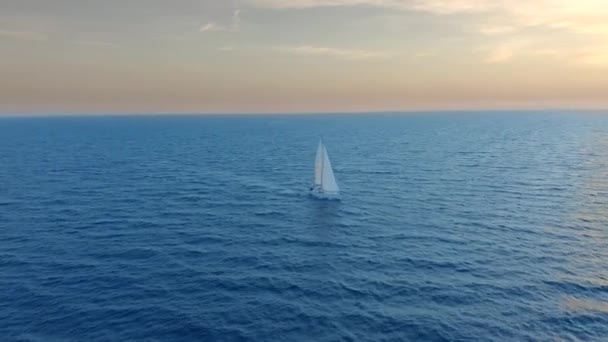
(269,213)
(572,287)
(129,254)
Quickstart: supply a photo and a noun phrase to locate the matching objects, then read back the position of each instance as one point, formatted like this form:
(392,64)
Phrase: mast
(322,160)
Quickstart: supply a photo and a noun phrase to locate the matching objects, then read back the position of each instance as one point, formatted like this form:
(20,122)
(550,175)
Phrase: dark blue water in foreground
(452,227)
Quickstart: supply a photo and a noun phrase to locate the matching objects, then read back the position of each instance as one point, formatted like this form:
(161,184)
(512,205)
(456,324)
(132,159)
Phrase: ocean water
(452,227)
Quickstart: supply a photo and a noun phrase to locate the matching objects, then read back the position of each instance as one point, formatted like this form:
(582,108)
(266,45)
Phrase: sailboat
(325,185)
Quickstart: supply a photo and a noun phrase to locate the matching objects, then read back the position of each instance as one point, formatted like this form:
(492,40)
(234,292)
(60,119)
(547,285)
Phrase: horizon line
(279,113)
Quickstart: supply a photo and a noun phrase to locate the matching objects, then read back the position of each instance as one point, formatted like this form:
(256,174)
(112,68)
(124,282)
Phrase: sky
(240,56)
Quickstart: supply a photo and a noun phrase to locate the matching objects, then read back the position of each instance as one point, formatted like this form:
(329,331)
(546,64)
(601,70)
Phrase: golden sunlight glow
(301,55)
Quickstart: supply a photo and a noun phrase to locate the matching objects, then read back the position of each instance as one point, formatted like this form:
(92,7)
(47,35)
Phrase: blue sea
(452,227)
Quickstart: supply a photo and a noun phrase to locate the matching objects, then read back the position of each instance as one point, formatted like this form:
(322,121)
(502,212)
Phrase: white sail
(325,182)
(319,164)
(328,181)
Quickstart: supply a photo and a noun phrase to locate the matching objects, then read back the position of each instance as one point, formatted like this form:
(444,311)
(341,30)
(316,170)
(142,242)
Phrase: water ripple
(462,227)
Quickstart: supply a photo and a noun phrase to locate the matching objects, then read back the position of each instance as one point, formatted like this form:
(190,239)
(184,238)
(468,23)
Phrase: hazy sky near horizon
(99,56)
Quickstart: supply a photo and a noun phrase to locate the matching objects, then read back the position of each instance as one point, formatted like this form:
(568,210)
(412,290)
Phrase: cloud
(234,26)
(346,54)
(22,35)
(435,6)
(497,30)
(500,54)
(594,57)
(281,4)
(422,55)
(445,7)
(210,27)
(582,16)
(226,48)
(516,47)
(96,43)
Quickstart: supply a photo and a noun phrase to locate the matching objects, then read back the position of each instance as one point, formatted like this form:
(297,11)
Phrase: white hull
(318,193)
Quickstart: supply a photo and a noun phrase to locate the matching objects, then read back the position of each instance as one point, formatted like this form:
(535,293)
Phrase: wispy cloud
(281,4)
(445,7)
(497,30)
(346,54)
(227,48)
(236,20)
(422,55)
(506,52)
(234,26)
(594,57)
(97,43)
(208,27)
(435,6)
(28,35)
(583,16)
(500,54)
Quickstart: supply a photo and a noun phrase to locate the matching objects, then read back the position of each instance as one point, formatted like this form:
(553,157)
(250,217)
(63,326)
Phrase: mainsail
(319,164)
(325,182)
